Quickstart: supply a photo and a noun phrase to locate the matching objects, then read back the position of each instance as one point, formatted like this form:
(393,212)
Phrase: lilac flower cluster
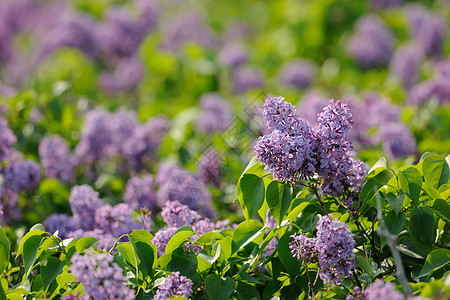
(216,113)
(295,151)
(140,192)
(208,167)
(333,249)
(117,220)
(246,78)
(179,184)
(428,29)
(397,140)
(55,158)
(379,4)
(405,64)
(297,73)
(106,134)
(176,214)
(233,55)
(174,285)
(61,222)
(22,176)
(125,77)
(105,239)
(372,43)
(101,277)
(9,206)
(161,239)
(378,290)
(84,202)
(7,141)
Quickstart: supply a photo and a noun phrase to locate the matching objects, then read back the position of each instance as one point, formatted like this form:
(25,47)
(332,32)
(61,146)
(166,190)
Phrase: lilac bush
(174,285)
(84,202)
(140,192)
(55,158)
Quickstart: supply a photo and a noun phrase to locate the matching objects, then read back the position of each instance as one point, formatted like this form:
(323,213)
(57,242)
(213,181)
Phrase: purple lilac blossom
(378,290)
(84,202)
(101,277)
(216,113)
(165,171)
(55,158)
(310,105)
(187,27)
(125,77)
(398,140)
(141,148)
(123,124)
(96,138)
(442,81)
(372,43)
(208,167)
(421,92)
(334,245)
(140,192)
(233,55)
(185,187)
(428,29)
(118,220)
(174,285)
(9,206)
(7,141)
(22,176)
(176,214)
(405,64)
(5,90)
(298,73)
(246,78)
(161,239)
(303,248)
(61,222)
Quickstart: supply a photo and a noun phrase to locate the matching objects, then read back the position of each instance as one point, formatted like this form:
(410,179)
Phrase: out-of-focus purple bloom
(6,91)
(101,277)
(96,138)
(117,220)
(303,248)
(140,192)
(105,240)
(187,27)
(185,187)
(165,171)
(84,202)
(216,113)
(442,81)
(55,158)
(421,92)
(174,285)
(311,105)
(7,141)
(397,140)
(161,239)
(378,290)
(70,29)
(9,206)
(208,167)
(22,176)
(61,222)
(125,78)
(379,4)
(428,29)
(334,245)
(372,43)
(123,124)
(298,73)
(176,214)
(405,64)
(246,78)
(233,55)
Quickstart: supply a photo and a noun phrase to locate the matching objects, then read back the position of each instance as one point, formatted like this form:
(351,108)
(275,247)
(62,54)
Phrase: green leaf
(247,232)
(37,226)
(436,259)
(253,192)
(279,197)
(51,270)
(178,239)
(85,243)
(226,248)
(367,193)
(26,237)
(247,292)
(4,251)
(30,248)
(411,182)
(127,253)
(2,292)
(435,170)
(144,249)
(422,228)
(395,222)
(219,288)
(290,263)
(362,262)
(395,201)
(442,209)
